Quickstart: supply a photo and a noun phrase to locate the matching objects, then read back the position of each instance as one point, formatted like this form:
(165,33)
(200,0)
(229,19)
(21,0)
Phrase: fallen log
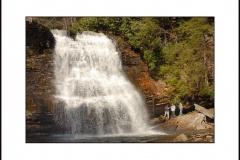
(205,111)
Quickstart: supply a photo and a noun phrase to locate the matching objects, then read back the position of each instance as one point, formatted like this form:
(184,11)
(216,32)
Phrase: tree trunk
(206,112)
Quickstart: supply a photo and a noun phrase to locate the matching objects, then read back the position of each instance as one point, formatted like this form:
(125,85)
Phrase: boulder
(207,112)
(191,121)
(181,138)
(162,119)
(209,126)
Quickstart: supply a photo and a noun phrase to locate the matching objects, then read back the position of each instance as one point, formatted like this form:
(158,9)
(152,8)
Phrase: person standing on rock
(173,108)
(166,113)
(180,108)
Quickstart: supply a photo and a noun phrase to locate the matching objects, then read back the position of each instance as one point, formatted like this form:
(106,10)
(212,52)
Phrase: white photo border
(226,79)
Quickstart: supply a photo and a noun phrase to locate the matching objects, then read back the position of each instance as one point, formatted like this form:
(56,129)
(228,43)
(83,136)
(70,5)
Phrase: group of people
(173,108)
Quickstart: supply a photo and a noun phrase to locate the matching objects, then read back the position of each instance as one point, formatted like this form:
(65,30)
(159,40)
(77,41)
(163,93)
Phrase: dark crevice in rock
(38,38)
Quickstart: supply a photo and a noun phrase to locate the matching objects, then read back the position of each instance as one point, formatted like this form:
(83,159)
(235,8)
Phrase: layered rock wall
(40,103)
(139,74)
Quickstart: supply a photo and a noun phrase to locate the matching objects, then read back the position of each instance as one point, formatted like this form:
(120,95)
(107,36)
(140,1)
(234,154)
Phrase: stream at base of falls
(69,138)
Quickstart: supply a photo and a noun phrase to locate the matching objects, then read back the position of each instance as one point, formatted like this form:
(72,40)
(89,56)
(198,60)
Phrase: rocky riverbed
(193,127)
(186,136)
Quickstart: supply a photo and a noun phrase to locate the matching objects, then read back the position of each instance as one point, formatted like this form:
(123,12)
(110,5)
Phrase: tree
(185,66)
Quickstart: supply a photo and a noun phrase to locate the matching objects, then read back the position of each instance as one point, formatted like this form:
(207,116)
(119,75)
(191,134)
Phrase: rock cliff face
(39,76)
(39,88)
(139,74)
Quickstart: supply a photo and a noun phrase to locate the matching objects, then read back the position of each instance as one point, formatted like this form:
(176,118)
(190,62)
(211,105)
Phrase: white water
(96,96)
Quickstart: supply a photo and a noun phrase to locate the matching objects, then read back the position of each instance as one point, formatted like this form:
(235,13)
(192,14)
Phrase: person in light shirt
(180,109)
(173,108)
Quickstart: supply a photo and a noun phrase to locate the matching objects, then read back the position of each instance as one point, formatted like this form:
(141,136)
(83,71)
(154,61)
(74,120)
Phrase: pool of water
(118,138)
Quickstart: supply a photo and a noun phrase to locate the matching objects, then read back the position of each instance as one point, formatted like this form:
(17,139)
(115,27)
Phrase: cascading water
(96,96)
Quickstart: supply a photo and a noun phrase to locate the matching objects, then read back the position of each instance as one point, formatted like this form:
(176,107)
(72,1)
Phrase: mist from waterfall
(96,97)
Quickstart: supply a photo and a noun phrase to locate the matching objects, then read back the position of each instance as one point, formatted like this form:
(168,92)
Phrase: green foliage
(97,24)
(125,27)
(146,38)
(175,100)
(185,68)
(151,58)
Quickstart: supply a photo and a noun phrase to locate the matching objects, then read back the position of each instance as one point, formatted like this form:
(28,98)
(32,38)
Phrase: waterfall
(96,97)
